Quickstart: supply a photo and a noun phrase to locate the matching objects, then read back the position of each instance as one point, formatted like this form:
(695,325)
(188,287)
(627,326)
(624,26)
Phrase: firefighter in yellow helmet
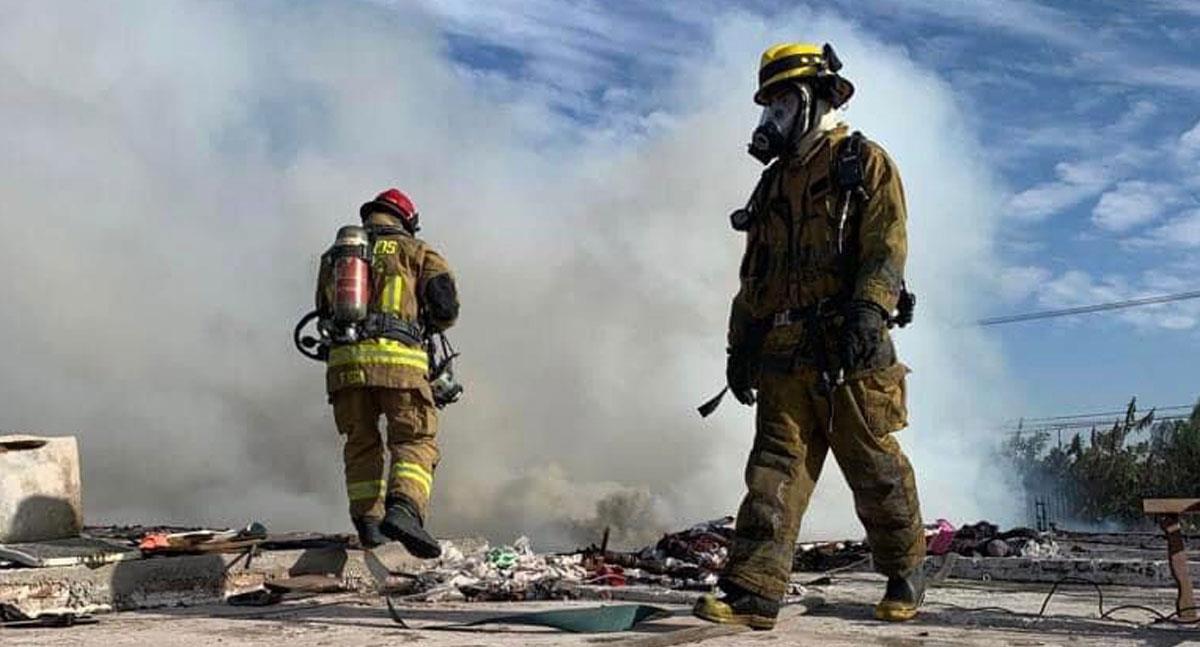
(385,374)
(821,283)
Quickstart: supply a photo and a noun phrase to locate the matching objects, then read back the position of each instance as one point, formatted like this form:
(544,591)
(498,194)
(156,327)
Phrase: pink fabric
(938,540)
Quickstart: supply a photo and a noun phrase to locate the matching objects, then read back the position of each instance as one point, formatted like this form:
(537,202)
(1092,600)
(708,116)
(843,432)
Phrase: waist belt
(812,351)
(390,326)
(805,314)
(791,316)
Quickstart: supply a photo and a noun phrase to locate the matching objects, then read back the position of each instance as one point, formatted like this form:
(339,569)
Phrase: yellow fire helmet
(799,62)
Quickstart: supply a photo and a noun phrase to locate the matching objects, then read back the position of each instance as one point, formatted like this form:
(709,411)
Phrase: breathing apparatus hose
(309,347)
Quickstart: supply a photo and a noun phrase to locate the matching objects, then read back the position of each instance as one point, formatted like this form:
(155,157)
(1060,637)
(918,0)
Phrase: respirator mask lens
(779,116)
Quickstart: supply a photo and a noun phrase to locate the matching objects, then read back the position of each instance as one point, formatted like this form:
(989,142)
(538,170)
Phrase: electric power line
(1104,414)
(1074,421)
(1085,424)
(1097,307)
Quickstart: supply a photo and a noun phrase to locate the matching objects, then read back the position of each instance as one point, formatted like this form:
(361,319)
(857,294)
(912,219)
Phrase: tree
(1104,479)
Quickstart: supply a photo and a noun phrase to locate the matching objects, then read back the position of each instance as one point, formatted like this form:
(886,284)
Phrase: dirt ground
(950,617)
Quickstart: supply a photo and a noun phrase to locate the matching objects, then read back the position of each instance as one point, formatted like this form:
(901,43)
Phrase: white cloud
(1189,144)
(1133,203)
(1077,288)
(1085,178)
(1182,231)
(1019,282)
(1048,198)
(1133,120)
(1076,182)
(578,54)
(1181,6)
(1088,52)
(1090,174)
(1018,17)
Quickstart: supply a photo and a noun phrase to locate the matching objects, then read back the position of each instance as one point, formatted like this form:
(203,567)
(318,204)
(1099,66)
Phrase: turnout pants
(411,427)
(793,436)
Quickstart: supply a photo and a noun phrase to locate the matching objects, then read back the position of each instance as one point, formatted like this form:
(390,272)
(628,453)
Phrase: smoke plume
(174,169)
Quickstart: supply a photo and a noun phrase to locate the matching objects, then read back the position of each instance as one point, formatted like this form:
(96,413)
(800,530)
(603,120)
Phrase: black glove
(739,375)
(862,336)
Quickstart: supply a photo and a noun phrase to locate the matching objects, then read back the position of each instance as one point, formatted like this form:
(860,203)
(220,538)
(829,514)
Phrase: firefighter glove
(862,336)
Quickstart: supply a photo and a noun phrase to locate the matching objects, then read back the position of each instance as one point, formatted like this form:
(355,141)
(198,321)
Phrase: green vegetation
(1104,479)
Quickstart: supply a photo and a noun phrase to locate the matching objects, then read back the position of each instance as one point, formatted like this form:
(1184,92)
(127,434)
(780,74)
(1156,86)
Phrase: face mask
(777,126)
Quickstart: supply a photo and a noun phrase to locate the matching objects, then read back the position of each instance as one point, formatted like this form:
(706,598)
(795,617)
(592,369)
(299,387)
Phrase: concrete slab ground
(844,620)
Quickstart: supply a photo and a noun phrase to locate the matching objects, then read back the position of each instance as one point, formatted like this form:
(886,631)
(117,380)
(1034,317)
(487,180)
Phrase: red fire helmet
(392,201)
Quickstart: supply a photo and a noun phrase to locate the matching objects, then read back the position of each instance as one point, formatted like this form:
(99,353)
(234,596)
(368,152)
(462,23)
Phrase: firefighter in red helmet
(409,294)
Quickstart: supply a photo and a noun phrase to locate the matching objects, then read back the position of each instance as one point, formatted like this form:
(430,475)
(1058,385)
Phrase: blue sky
(1087,111)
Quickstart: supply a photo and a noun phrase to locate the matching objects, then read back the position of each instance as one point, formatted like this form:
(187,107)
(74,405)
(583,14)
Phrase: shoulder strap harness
(848,174)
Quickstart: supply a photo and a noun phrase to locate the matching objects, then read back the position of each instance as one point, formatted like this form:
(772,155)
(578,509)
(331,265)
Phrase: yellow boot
(902,598)
(738,607)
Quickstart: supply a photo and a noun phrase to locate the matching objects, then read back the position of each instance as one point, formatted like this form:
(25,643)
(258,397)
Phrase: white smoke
(173,169)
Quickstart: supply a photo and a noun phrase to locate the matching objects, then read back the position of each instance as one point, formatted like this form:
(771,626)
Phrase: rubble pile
(984,539)
(830,556)
(504,573)
(688,560)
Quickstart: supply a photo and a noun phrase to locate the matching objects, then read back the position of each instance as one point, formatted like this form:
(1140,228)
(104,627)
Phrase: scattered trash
(203,541)
(1043,547)
(985,539)
(830,556)
(706,545)
(263,597)
(996,548)
(688,560)
(502,558)
(606,575)
(504,573)
(67,552)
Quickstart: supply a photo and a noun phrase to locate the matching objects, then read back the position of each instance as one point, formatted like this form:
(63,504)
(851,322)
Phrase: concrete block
(1120,572)
(40,492)
(186,580)
(179,581)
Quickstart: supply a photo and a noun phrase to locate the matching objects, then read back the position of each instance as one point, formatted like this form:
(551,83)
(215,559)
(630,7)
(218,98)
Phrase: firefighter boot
(403,524)
(368,532)
(903,596)
(737,607)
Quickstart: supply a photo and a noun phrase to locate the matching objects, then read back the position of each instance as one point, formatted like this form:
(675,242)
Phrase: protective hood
(828,119)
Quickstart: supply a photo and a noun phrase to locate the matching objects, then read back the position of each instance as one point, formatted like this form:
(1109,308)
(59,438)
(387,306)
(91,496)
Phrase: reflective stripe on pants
(365,490)
(415,473)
